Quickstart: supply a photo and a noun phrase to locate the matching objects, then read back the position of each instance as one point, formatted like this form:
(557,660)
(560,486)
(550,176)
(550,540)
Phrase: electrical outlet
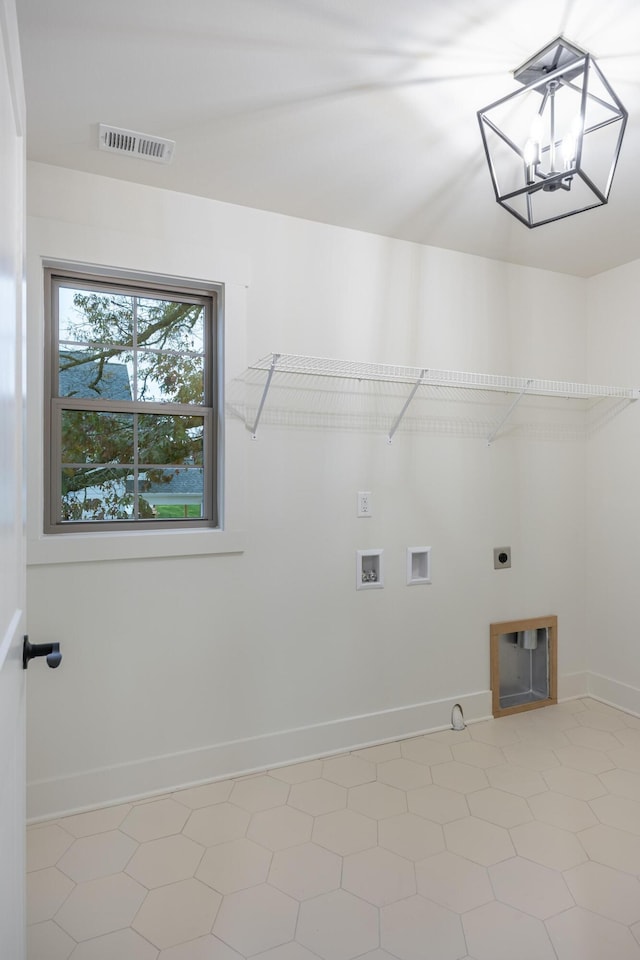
(365,505)
(501,558)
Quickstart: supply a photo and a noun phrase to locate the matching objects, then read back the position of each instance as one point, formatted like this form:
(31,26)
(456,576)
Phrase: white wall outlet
(365,504)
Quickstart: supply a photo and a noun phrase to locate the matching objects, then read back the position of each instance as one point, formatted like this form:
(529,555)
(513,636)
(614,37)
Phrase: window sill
(134,545)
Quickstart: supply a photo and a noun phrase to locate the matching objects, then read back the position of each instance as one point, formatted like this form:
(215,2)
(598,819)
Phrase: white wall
(182,668)
(613,614)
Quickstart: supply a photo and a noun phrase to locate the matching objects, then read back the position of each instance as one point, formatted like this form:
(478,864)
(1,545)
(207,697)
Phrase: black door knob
(49,650)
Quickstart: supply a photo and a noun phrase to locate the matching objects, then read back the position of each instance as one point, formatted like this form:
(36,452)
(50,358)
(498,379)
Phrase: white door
(12,560)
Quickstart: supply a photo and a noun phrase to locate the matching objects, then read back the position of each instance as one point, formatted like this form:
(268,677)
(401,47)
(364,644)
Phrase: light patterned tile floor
(517,837)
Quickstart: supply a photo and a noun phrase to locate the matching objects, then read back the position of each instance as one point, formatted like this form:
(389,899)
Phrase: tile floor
(515,838)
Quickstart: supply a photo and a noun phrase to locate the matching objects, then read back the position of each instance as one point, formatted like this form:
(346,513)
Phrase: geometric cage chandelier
(552,147)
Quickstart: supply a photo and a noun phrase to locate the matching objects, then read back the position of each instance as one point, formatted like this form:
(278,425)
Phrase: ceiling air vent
(117,140)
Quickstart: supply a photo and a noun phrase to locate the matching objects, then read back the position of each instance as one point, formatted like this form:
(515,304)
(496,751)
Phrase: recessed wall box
(369,572)
(418,565)
(523,665)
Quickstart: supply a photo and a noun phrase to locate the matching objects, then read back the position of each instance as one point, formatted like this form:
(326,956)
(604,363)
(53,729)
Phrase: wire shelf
(354,370)
(288,389)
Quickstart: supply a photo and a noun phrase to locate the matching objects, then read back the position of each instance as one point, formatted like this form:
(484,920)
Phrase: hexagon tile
(515,837)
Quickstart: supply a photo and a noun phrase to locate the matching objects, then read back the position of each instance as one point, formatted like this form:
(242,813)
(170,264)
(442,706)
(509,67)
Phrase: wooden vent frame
(516,626)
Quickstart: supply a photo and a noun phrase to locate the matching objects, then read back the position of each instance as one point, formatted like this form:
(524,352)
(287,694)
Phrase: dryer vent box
(523,665)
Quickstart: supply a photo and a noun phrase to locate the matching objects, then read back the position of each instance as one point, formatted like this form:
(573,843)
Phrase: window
(132,396)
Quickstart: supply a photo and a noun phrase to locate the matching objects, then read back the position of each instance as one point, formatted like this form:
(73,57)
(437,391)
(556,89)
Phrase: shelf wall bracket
(420,380)
(515,403)
(272,368)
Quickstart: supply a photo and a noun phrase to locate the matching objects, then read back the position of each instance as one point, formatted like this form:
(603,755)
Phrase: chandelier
(552,147)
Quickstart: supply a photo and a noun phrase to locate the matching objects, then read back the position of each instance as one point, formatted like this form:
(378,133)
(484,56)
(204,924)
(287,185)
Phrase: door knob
(49,650)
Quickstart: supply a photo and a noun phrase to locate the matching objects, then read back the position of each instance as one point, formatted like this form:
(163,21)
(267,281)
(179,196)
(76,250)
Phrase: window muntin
(132,393)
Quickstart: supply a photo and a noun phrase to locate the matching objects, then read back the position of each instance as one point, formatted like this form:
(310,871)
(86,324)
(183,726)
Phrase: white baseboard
(88,789)
(614,693)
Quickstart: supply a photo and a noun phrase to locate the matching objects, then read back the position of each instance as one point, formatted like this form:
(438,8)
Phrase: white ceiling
(360,113)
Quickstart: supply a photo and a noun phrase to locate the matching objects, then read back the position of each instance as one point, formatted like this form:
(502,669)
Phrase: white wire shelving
(428,382)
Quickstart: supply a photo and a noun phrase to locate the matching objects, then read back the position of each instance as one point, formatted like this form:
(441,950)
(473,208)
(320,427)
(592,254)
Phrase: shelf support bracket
(406,405)
(515,403)
(272,368)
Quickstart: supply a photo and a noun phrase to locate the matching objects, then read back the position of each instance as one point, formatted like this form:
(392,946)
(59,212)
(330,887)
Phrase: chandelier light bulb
(569,145)
(537,129)
(570,142)
(531,154)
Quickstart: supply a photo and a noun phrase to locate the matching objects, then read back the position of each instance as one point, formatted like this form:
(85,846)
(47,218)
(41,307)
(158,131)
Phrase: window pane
(92,373)
(173,494)
(170,440)
(167,378)
(96,493)
(86,317)
(168,325)
(92,437)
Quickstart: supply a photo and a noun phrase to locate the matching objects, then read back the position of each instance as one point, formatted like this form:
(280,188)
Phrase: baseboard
(86,790)
(614,693)
(89,789)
